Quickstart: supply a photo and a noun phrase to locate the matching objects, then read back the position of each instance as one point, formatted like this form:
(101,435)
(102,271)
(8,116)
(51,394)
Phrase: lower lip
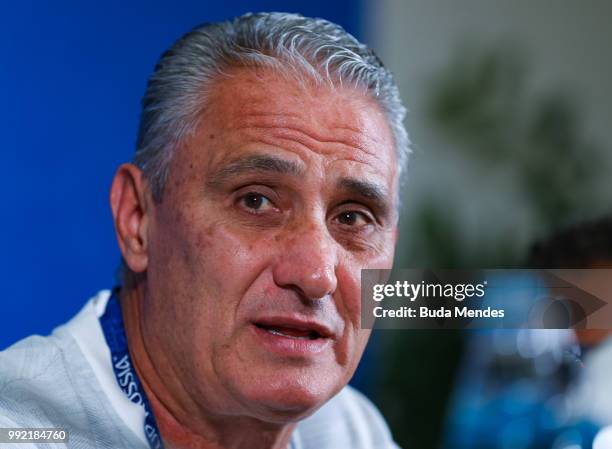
(290,346)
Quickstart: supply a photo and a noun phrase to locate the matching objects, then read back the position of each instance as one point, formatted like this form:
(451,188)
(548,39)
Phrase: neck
(182,422)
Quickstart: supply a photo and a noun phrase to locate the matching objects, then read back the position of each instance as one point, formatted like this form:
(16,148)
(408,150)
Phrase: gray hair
(311,48)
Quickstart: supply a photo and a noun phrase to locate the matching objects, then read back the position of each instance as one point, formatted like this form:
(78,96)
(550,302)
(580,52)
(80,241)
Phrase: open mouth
(290,332)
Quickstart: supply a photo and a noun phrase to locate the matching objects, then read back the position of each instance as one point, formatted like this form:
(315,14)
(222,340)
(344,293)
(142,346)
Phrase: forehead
(254,92)
(341,129)
(247,96)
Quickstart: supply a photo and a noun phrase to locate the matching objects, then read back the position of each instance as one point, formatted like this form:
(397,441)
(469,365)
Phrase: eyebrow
(369,190)
(254,163)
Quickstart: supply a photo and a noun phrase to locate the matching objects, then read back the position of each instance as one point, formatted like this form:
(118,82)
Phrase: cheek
(349,281)
(349,304)
(350,291)
(204,267)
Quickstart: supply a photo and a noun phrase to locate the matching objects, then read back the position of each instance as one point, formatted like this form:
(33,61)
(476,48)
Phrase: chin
(284,400)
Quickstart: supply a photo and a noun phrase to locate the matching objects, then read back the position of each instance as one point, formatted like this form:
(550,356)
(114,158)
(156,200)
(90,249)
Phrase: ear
(129,199)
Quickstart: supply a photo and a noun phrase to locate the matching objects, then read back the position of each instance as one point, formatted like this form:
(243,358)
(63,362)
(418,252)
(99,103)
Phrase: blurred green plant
(481,102)
(482,105)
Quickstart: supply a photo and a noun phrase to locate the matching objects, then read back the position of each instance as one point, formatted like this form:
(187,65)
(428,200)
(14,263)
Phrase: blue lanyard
(112,326)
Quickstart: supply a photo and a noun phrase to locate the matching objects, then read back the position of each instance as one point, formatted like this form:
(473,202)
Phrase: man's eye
(353,218)
(255,201)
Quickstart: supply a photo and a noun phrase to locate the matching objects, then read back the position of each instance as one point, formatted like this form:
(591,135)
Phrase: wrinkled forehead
(346,122)
(328,106)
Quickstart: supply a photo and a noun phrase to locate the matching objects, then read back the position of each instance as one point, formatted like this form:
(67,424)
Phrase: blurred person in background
(265,179)
(540,388)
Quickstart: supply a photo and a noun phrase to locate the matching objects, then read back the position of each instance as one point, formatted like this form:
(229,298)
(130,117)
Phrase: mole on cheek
(203,239)
(205,236)
(178,216)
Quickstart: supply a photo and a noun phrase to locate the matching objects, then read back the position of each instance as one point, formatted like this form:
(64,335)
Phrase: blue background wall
(71,78)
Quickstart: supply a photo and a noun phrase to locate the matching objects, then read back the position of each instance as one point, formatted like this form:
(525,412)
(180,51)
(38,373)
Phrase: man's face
(270,211)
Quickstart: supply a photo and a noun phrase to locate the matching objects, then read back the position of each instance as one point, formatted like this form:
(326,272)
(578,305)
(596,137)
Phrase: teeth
(277,332)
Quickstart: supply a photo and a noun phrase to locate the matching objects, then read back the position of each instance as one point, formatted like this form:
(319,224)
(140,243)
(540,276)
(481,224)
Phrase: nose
(307,262)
